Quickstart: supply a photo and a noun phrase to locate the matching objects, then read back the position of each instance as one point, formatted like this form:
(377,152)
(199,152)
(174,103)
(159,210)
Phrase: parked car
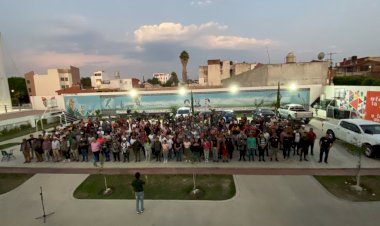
(295,112)
(359,132)
(264,113)
(183,111)
(228,115)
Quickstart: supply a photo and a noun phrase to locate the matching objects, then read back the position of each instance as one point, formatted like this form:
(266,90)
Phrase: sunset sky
(138,38)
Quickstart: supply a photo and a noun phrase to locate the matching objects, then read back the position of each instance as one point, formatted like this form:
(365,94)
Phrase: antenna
(330,58)
(268,54)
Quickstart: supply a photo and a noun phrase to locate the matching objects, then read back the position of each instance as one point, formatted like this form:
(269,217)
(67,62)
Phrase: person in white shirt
(56,146)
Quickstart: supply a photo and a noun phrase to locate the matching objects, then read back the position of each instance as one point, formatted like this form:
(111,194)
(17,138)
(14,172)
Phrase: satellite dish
(321,55)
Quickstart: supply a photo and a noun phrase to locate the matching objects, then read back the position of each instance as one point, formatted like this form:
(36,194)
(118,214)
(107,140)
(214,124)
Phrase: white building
(162,77)
(98,82)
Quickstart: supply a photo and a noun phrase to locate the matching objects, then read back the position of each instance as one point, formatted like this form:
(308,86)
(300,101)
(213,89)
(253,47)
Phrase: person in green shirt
(138,187)
(251,147)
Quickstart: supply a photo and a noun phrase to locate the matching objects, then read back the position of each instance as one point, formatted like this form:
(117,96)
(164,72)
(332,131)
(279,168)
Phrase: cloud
(201,3)
(210,35)
(51,59)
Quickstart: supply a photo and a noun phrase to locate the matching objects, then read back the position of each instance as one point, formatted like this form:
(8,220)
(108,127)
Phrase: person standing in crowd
(157,149)
(30,141)
(274,143)
(267,137)
(187,150)
(65,147)
(115,146)
(138,188)
(206,148)
(262,144)
(136,147)
(83,147)
(251,147)
(311,136)
(286,145)
(25,149)
(37,148)
(147,149)
(223,148)
(197,149)
(304,146)
(214,148)
(95,148)
(165,150)
(46,146)
(125,149)
(241,146)
(56,147)
(230,146)
(178,148)
(297,142)
(74,148)
(325,144)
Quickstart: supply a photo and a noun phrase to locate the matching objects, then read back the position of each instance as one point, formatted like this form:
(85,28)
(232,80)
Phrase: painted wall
(351,97)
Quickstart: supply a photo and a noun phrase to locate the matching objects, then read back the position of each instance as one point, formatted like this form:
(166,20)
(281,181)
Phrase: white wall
(38,103)
(46,85)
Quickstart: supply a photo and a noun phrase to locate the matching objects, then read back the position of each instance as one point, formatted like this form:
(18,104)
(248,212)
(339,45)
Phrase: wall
(46,85)
(42,102)
(75,75)
(213,71)
(269,75)
(351,97)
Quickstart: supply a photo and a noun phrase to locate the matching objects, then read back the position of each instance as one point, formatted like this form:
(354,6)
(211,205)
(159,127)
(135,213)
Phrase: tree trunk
(184,71)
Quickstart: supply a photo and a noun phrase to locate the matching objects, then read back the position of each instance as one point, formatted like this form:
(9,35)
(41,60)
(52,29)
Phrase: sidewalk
(260,200)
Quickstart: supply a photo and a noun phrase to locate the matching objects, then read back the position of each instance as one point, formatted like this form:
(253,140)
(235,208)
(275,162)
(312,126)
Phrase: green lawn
(9,181)
(340,186)
(8,145)
(164,187)
(24,132)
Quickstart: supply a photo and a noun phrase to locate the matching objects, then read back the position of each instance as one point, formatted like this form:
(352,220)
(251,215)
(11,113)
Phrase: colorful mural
(87,105)
(354,100)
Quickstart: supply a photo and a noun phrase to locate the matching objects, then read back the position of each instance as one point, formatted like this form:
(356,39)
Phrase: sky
(141,37)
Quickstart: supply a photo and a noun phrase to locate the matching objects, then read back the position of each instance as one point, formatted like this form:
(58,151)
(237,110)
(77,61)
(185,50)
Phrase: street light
(234,88)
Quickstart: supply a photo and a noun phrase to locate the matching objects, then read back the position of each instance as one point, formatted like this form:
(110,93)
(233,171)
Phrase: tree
(278,101)
(20,93)
(85,82)
(154,81)
(184,60)
(172,81)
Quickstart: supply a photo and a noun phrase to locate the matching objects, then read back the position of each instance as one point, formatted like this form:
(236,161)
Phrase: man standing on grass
(138,188)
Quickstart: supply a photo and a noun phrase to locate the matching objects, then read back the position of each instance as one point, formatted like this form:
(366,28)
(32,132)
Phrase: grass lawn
(24,132)
(9,181)
(8,145)
(340,186)
(164,187)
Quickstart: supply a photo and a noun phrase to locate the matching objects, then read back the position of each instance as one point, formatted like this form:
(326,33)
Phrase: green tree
(19,93)
(173,80)
(85,82)
(184,57)
(154,81)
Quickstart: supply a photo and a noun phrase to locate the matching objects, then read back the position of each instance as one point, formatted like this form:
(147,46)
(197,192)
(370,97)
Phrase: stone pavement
(260,200)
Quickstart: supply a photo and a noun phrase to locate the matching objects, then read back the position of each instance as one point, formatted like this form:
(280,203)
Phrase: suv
(264,113)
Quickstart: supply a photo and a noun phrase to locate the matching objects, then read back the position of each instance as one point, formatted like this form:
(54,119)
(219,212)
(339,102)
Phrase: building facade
(98,81)
(217,70)
(369,66)
(55,79)
(162,77)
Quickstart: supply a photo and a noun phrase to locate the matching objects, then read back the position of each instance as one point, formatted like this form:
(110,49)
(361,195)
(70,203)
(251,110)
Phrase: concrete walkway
(260,200)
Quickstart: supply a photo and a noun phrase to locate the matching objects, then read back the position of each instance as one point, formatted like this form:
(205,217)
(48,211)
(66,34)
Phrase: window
(29,90)
(62,86)
(28,81)
(66,79)
(62,79)
(67,86)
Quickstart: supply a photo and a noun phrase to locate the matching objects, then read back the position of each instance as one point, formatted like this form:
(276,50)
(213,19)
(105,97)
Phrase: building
(98,81)
(5,97)
(291,72)
(217,70)
(162,77)
(368,66)
(55,79)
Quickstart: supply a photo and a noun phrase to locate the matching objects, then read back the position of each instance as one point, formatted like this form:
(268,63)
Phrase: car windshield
(297,109)
(371,129)
(267,111)
(181,112)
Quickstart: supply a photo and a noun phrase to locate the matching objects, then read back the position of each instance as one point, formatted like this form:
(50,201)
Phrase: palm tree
(184,59)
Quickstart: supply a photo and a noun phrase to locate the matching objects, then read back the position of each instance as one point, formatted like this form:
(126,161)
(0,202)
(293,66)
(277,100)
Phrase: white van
(184,111)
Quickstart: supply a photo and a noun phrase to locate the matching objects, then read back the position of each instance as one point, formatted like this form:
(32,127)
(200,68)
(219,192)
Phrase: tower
(5,97)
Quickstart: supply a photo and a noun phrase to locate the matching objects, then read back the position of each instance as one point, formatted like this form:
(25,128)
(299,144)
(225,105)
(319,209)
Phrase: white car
(359,132)
(183,111)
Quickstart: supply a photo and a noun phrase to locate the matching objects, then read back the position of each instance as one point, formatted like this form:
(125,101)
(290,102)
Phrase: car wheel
(368,150)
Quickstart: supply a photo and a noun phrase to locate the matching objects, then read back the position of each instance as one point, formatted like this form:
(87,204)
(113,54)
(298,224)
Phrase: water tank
(290,58)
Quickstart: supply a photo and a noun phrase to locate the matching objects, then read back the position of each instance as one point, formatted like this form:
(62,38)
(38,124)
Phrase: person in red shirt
(311,136)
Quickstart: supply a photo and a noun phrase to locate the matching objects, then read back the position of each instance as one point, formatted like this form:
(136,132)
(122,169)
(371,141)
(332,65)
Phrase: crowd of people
(190,139)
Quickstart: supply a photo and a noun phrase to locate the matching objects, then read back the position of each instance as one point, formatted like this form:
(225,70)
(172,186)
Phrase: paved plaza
(268,193)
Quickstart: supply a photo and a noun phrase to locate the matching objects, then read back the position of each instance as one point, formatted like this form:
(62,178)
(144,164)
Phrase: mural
(373,106)
(354,100)
(87,105)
